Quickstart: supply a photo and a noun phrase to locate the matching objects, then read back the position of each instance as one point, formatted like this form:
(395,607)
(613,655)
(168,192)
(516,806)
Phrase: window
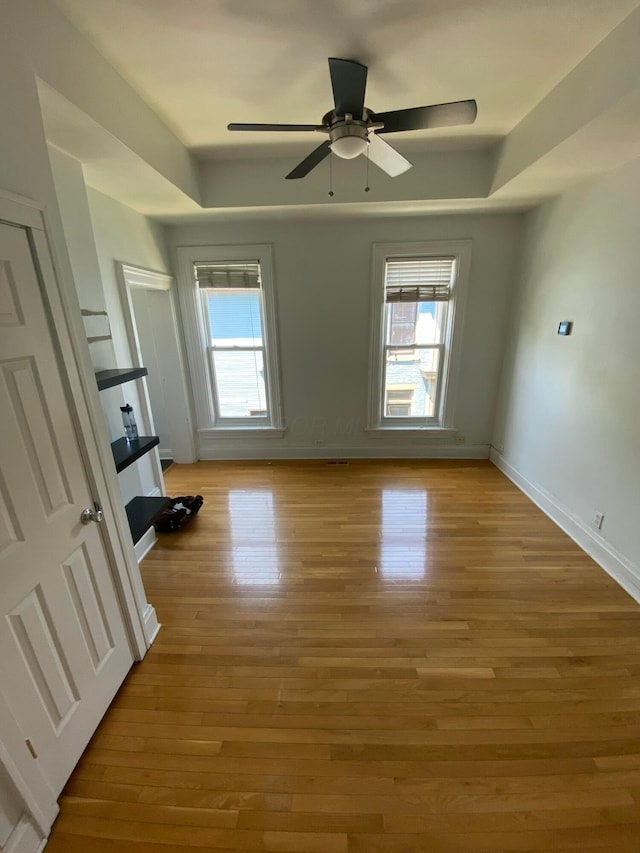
(232,309)
(418,304)
(234,366)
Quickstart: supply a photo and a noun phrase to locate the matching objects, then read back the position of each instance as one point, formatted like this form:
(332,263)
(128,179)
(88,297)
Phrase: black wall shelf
(111,378)
(126,452)
(142,512)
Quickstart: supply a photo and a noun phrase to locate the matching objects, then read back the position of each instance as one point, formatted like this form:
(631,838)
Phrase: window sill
(411,432)
(243,432)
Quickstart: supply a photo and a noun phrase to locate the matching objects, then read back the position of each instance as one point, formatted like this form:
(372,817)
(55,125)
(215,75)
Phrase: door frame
(129,276)
(74,362)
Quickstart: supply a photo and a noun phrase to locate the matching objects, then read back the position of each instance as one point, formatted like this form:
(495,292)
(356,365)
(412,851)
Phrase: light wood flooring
(379,656)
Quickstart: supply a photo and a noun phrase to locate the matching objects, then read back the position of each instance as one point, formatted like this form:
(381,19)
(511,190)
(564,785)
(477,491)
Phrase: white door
(152,327)
(63,647)
(152,317)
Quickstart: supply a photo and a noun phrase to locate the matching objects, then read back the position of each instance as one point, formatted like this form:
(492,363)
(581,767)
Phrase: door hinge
(31,748)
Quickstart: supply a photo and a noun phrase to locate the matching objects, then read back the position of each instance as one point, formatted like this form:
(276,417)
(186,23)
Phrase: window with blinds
(232,303)
(416,287)
(418,279)
(416,293)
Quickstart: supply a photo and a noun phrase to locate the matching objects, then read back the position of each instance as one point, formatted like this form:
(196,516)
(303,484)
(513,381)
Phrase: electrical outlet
(598,518)
(460,439)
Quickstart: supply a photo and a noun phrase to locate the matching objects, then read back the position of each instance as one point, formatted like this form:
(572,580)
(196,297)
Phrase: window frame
(247,420)
(442,423)
(199,349)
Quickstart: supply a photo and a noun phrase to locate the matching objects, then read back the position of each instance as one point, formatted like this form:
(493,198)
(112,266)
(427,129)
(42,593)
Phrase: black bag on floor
(178,514)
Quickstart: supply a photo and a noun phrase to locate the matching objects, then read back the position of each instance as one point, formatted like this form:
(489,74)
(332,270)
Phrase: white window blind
(239,276)
(418,279)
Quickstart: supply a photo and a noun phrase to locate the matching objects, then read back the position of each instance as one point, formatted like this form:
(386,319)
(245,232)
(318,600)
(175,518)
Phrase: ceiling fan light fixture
(349,140)
(349,147)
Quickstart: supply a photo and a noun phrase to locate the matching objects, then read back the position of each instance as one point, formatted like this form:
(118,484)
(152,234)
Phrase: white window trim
(195,336)
(461,250)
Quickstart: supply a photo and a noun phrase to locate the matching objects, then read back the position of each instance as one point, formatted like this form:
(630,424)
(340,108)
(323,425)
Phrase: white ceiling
(203,63)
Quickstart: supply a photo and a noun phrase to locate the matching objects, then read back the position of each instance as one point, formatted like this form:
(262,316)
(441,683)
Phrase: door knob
(94,513)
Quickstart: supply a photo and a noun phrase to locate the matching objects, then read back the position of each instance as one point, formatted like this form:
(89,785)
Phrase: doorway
(152,326)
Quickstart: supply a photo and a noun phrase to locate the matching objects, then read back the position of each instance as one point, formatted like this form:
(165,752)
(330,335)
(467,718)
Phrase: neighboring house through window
(233,331)
(418,296)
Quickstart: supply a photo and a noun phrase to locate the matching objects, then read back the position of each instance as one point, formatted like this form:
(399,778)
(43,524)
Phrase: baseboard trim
(25,838)
(476,451)
(615,564)
(151,624)
(145,544)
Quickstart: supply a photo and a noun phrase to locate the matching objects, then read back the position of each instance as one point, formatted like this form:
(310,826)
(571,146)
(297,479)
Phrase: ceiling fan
(353,128)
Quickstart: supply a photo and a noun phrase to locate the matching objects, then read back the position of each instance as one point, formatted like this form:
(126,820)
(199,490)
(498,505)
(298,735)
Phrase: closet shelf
(111,378)
(126,452)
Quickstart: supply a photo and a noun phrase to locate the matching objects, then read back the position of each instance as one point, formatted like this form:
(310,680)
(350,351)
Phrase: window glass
(240,383)
(411,382)
(234,317)
(416,322)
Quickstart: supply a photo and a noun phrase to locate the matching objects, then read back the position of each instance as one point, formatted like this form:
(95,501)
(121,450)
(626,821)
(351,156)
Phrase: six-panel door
(63,647)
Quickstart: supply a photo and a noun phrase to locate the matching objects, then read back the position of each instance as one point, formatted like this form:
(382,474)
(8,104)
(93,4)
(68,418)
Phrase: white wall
(569,413)
(72,201)
(323,275)
(90,244)
(121,234)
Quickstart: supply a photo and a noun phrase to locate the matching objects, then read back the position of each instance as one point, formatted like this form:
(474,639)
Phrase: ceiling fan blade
(348,80)
(386,157)
(294,127)
(424,118)
(317,156)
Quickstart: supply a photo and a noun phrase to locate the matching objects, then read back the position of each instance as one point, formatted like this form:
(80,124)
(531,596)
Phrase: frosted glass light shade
(349,147)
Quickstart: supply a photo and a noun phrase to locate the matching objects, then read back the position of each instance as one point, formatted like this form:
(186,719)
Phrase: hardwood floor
(379,656)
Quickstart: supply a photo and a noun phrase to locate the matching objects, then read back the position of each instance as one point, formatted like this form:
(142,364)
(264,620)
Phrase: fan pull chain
(331,175)
(367,188)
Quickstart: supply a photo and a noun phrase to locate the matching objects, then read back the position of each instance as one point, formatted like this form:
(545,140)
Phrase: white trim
(151,624)
(197,350)
(140,277)
(25,838)
(461,250)
(426,432)
(127,277)
(242,432)
(25,211)
(615,564)
(145,544)
(416,450)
